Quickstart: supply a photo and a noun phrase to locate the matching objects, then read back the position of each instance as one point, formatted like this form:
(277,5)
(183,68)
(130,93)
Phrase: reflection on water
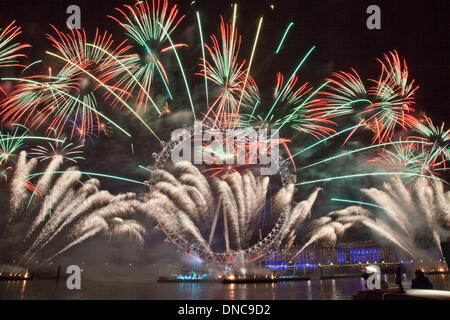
(314,289)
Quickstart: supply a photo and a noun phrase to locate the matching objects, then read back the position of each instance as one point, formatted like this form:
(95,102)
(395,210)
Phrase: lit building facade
(343,253)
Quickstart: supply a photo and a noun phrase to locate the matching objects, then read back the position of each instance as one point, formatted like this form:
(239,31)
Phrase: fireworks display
(68,152)
(129,90)
(60,212)
(10,50)
(71,93)
(436,139)
(385,107)
(149,26)
(395,216)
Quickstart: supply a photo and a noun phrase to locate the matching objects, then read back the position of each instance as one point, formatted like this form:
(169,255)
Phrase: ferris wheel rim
(256,251)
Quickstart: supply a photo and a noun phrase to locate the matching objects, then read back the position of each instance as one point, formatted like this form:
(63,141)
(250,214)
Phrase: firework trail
(424,212)
(188,201)
(394,97)
(90,134)
(65,152)
(63,211)
(298,214)
(410,157)
(183,205)
(297,109)
(170,202)
(10,143)
(176,204)
(407,219)
(249,194)
(71,93)
(437,142)
(229,76)
(243,198)
(149,28)
(385,107)
(10,50)
(346,93)
(5,171)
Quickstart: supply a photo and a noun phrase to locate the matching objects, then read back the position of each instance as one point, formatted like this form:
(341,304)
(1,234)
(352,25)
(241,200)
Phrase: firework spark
(5,171)
(302,114)
(437,142)
(393,98)
(65,152)
(54,100)
(10,50)
(230,77)
(63,213)
(10,143)
(409,220)
(149,28)
(385,107)
(185,209)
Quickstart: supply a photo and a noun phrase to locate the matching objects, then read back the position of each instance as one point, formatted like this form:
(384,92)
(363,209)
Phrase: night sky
(419,30)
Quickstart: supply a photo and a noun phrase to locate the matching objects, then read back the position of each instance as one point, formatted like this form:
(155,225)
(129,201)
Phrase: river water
(315,289)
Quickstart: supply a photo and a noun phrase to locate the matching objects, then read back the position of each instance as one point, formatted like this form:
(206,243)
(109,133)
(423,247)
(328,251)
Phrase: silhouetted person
(421,282)
(398,278)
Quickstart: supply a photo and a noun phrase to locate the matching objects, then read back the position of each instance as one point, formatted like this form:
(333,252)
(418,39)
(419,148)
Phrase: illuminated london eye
(248,229)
